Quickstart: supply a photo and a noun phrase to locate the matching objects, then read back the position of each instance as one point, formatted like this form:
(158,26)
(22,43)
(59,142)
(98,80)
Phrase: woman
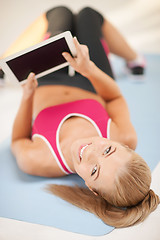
(81,125)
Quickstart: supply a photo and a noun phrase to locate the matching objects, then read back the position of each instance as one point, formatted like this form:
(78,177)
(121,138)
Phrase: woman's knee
(62,10)
(90,13)
(60,19)
(86,11)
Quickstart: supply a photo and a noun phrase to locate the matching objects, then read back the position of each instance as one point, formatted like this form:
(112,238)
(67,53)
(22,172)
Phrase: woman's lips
(81,149)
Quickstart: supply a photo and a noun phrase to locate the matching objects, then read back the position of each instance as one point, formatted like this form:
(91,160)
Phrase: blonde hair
(130,201)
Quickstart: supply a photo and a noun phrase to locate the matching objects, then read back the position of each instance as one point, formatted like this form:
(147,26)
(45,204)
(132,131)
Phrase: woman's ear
(92,190)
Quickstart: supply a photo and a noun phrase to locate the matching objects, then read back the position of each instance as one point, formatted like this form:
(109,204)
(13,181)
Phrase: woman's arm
(122,129)
(23,120)
(105,86)
(21,144)
(30,154)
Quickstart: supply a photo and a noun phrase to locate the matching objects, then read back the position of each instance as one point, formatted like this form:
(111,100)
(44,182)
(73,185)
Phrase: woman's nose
(91,156)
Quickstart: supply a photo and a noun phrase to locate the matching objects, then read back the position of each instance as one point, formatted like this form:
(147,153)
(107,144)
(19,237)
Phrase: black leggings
(86,25)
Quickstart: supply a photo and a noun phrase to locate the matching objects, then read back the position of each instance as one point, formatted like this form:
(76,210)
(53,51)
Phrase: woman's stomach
(51,95)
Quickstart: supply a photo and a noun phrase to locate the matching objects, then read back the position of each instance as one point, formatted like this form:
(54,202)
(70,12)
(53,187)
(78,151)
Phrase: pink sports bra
(49,121)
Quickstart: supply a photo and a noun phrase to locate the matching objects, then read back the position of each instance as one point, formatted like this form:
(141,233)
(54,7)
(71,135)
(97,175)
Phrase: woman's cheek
(82,171)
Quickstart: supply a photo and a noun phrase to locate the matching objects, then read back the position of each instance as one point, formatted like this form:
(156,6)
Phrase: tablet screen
(39,60)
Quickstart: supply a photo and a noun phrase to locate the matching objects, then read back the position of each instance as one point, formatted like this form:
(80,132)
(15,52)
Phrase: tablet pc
(42,58)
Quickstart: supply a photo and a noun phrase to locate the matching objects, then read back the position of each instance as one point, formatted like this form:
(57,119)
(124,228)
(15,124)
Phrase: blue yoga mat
(22,197)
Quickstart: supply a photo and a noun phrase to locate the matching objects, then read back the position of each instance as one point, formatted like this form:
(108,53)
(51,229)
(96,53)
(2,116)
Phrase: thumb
(32,81)
(69,58)
(31,75)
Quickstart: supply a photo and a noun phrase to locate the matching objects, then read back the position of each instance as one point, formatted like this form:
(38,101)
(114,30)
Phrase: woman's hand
(30,86)
(81,63)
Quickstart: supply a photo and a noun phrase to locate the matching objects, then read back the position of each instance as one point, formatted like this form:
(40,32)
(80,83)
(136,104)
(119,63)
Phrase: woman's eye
(107,150)
(94,170)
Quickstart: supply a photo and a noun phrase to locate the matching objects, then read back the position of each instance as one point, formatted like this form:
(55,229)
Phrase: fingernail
(32,74)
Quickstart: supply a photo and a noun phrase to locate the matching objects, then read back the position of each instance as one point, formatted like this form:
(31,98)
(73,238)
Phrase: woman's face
(97,161)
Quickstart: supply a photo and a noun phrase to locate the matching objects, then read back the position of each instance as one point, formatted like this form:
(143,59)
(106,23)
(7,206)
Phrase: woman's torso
(47,96)
(51,95)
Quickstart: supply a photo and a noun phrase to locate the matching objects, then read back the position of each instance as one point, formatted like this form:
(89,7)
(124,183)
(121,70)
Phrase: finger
(31,75)
(32,81)
(31,78)
(35,82)
(68,58)
(76,41)
(77,45)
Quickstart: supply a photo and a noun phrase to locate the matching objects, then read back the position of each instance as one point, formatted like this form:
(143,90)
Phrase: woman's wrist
(29,87)
(90,70)
(27,95)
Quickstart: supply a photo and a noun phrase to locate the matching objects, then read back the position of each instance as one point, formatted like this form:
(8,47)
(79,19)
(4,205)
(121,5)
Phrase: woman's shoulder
(43,162)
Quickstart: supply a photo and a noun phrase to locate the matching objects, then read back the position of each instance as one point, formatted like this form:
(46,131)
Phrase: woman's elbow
(13,147)
(23,161)
(130,140)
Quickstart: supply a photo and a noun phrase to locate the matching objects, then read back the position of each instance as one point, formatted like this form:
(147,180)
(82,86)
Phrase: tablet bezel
(8,71)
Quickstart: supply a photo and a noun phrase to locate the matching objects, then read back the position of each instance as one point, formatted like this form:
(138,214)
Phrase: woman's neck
(73,129)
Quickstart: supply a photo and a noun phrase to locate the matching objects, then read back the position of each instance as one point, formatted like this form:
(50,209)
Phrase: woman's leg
(101,36)
(60,19)
(54,21)
(116,42)
(32,35)
(89,31)
(119,46)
